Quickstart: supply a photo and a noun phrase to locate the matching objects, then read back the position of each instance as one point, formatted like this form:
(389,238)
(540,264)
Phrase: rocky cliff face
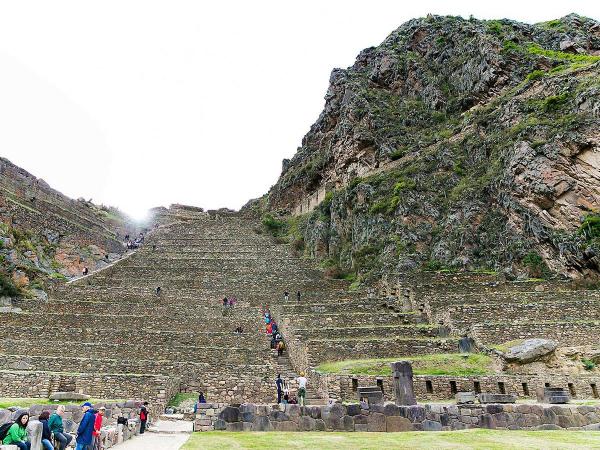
(46,237)
(455,144)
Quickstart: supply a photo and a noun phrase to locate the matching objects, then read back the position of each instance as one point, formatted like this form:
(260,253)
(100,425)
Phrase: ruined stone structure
(393,418)
(132,343)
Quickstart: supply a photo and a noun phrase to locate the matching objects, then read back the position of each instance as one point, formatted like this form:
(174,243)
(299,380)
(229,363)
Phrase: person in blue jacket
(86,428)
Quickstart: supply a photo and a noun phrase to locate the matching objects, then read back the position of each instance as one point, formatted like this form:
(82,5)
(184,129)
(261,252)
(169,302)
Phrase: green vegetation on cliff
(450,147)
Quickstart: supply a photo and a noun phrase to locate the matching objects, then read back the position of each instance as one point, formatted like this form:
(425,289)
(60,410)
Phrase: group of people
(88,432)
(283,391)
(272,328)
(229,302)
(135,243)
(286,296)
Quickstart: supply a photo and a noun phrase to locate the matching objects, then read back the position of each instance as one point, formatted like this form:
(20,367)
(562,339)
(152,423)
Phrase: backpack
(4,430)
(143,415)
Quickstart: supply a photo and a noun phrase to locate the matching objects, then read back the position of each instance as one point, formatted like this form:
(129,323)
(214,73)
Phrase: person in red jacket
(143,417)
(97,427)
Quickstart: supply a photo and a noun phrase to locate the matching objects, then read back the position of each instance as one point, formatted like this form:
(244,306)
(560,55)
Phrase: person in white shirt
(302,389)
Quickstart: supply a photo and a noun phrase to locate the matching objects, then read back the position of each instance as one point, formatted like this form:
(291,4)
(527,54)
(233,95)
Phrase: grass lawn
(453,364)
(27,402)
(468,439)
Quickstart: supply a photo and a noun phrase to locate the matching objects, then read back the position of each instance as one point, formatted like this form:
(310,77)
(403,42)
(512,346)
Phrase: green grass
(180,397)
(452,364)
(561,56)
(467,439)
(5,402)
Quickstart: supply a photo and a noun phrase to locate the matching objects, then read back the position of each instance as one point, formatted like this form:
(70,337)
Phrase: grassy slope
(469,439)
(453,364)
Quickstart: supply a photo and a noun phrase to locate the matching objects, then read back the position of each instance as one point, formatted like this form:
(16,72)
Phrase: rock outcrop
(530,350)
(455,144)
(46,237)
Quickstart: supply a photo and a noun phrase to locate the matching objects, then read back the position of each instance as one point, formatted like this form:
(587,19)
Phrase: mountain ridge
(455,144)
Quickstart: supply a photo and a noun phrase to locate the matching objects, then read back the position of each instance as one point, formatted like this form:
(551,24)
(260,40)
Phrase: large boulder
(530,350)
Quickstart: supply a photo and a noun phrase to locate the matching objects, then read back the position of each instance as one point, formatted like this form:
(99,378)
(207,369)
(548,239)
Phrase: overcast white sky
(142,103)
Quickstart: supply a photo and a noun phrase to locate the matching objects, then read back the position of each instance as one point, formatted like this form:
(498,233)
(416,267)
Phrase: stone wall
(157,390)
(344,387)
(566,333)
(393,418)
(311,202)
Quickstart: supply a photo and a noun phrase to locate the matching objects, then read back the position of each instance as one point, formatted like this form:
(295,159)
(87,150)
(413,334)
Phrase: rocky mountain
(46,237)
(456,144)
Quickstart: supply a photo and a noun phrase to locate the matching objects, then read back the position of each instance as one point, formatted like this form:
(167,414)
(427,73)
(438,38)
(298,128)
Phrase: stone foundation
(431,388)
(393,418)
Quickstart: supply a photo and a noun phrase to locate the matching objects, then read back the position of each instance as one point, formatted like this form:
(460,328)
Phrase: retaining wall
(393,418)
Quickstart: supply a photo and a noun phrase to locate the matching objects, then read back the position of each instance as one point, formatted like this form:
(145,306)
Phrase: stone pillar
(402,374)
(34,429)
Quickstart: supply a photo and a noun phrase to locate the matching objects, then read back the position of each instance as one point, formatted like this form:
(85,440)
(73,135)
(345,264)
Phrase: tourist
(279,384)
(274,327)
(280,348)
(225,302)
(97,427)
(85,271)
(158,290)
(286,296)
(86,427)
(56,426)
(46,433)
(302,389)
(17,433)
(269,328)
(201,398)
(286,398)
(143,417)
(298,295)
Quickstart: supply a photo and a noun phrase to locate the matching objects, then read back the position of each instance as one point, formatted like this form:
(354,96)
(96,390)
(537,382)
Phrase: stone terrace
(495,312)
(110,335)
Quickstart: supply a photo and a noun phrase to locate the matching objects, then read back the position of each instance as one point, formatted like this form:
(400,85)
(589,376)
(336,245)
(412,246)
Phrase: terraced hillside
(47,237)
(110,335)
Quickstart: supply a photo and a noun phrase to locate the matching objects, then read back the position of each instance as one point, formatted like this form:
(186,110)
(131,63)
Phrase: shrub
(554,102)
(275,226)
(588,364)
(433,265)
(590,227)
(510,46)
(495,27)
(398,153)
(535,75)
(536,266)
(7,287)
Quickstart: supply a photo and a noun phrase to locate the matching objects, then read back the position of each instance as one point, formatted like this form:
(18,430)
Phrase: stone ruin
(124,341)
